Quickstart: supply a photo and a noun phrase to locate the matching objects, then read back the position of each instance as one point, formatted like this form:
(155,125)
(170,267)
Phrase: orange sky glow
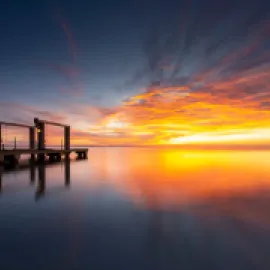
(210,110)
(224,114)
(178,116)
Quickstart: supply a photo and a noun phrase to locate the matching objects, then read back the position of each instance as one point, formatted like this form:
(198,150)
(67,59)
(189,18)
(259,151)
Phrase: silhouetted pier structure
(38,152)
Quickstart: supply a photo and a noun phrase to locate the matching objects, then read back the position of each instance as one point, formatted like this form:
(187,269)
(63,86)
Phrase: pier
(37,147)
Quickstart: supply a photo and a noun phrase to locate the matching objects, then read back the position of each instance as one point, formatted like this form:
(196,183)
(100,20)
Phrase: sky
(138,72)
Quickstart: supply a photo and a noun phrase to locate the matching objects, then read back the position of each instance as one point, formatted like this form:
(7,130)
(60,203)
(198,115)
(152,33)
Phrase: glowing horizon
(176,115)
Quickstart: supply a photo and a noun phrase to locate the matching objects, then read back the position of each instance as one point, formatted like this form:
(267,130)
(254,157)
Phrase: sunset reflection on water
(174,177)
(139,208)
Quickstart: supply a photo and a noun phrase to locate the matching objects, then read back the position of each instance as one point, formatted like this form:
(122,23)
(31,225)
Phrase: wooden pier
(38,151)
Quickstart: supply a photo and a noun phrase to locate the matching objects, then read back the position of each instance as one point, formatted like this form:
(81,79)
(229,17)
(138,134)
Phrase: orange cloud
(231,109)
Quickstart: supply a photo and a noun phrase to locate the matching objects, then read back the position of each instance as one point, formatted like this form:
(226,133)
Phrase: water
(139,208)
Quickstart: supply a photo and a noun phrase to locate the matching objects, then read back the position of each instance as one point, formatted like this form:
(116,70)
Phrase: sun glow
(221,138)
(114,124)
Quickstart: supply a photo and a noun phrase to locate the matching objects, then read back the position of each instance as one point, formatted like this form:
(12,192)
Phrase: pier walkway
(39,153)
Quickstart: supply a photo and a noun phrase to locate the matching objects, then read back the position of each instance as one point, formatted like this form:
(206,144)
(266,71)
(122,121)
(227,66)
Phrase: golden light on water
(174,177)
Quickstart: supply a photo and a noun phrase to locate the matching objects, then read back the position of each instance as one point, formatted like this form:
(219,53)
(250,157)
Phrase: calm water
(139,208)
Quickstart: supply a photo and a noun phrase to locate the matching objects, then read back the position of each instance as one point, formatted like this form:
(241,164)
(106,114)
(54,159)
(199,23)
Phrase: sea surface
(138,208)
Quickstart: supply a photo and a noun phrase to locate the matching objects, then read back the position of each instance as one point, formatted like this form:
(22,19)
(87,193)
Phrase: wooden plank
(45,151)
(37,120)
(80,151)
(14,124)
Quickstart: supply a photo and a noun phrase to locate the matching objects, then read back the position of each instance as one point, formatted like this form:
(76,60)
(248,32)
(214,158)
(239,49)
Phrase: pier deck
(14,154)
(37,151)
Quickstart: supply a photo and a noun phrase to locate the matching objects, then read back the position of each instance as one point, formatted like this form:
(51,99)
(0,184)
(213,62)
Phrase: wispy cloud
(69,70)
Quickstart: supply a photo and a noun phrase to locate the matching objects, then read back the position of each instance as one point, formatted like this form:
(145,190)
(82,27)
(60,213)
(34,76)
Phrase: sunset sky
(138,72)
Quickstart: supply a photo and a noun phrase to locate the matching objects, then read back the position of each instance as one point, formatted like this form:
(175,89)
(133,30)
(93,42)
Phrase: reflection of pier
(41,177)
(41,185)
(39,151)
(1,173)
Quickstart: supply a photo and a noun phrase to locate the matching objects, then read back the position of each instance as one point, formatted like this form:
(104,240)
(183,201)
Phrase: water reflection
(140,209)
(41,168)
(169,178)
(1,172)
(67,171)
(32,171)
(41,185)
